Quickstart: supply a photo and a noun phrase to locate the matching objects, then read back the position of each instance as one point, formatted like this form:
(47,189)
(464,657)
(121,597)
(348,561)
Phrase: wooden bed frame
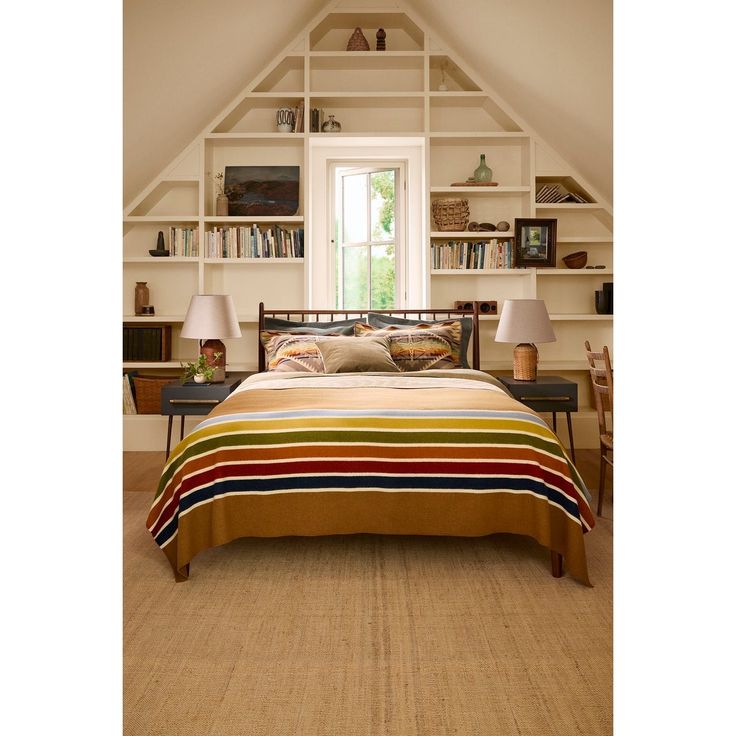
(329,315)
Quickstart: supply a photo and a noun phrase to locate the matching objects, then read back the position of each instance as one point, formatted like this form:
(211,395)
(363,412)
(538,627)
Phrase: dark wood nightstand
(546,394)
(192,399)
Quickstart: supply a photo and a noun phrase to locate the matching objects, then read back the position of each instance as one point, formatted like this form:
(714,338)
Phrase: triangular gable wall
(186,166)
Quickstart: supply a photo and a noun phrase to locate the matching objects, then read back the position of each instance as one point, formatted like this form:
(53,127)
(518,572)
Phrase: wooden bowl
(576,260)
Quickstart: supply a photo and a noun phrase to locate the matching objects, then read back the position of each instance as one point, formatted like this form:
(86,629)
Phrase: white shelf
(162,259)
(570,206)
(480,190)
(481,271)
(471,136)
(485,235)
(254,136)
(546,366)
(161,218)
(581,317)
(252,261)
(598,240)
(260,218)
(351,55)
(153,318)
(146,364)
(575,272)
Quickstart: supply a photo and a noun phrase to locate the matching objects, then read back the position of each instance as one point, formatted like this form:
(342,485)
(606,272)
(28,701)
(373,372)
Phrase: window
(366,257)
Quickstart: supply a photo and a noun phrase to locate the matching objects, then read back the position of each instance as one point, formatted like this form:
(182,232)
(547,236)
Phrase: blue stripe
(404,483)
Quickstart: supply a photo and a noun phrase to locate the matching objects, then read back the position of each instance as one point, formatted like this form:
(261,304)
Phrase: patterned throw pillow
(291,353)
(421,346)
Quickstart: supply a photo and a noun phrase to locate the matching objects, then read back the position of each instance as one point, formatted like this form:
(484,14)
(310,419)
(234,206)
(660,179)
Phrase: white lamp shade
(524,320)
(211,317)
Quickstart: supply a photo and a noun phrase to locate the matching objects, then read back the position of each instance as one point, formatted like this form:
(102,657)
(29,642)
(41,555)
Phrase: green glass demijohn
(482,173)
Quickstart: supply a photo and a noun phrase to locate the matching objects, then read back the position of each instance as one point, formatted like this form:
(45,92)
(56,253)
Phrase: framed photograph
(262,190)
(535,242)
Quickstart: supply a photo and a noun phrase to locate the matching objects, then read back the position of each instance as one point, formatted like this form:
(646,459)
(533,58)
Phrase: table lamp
(210,319)
(525,321)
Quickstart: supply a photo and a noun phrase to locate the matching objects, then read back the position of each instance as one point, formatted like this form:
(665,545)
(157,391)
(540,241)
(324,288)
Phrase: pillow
(420,347)
(343,327)
(350,355)
(385,320)
(290,353)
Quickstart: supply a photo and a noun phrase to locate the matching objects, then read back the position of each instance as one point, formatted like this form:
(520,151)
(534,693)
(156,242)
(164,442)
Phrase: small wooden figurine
(380,40)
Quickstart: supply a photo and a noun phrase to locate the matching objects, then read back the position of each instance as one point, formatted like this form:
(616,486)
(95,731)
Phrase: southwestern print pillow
(421,346)
(291,353)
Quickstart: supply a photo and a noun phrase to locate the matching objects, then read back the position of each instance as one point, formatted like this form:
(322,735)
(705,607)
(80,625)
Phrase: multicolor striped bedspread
(434,453)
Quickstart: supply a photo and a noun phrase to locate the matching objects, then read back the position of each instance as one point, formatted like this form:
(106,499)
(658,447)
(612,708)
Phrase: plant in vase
(221,200)
(199,371)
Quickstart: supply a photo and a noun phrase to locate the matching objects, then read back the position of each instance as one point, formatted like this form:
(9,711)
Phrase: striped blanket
(433,452)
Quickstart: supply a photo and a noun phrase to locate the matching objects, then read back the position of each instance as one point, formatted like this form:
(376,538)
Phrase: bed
(415,447)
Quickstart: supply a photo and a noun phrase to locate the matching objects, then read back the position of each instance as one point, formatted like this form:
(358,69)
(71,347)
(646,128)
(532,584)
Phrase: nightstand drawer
(546,394)
(194,399)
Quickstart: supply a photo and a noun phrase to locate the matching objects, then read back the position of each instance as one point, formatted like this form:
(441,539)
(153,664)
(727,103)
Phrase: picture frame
(262,190)
(535,241)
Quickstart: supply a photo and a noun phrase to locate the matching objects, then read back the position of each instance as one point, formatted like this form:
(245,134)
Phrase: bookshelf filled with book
(419,88)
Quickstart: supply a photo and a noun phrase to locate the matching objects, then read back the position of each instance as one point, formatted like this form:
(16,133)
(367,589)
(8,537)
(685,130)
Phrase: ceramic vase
(141,296)
(222,205)
(331,125)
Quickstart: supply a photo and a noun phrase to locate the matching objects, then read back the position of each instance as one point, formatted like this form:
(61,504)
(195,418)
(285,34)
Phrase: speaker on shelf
(483,307)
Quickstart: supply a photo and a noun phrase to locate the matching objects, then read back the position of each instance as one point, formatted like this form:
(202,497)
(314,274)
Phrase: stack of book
(473,255)
(252,242)
(184,241)
(147,343)
(557,193)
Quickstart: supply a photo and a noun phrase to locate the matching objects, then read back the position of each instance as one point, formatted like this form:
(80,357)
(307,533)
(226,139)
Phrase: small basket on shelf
(450,214)
(576,260)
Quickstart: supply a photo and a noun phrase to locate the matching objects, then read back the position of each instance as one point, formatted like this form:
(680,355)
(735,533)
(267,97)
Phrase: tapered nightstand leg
(168,436)
(554,422)
(569,431)
(181,429)
(557,569)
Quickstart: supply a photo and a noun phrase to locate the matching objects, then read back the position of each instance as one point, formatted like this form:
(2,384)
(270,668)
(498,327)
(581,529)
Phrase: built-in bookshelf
(417,88)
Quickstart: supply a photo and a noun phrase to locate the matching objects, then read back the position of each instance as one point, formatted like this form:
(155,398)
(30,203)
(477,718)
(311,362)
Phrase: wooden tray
(475,184)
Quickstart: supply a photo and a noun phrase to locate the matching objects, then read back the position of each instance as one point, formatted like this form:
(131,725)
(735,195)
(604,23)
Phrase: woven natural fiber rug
(365,635)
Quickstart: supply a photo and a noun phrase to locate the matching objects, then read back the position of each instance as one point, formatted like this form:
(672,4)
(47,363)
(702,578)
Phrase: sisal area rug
(365,636)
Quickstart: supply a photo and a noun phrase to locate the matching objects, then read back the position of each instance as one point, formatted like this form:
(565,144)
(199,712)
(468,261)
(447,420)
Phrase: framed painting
(535,242)
(262,190)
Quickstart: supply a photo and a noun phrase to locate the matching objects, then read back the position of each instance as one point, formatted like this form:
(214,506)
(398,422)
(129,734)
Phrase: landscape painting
(262,190)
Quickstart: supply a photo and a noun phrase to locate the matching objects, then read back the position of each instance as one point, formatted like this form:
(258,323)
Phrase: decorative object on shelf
(558,194)
(442,87)
(358,42)
(262,190)
(601,302)
(221,200)
(473,183)
(482,174)
(450,214)
(160,246)
(147,310)
(331,125)
(486,227)
(200,370)
(285,120)
(380,40)
(211,318)
(599,266)
(503,226)
(525,321)
(141,296)
(483,307)
(577,259)
(608,288)
(535,241)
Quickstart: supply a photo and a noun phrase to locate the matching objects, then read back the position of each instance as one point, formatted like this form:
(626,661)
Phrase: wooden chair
(601,376)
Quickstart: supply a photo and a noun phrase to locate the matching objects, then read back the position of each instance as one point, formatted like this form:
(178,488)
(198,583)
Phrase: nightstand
(192,399)
(546,394)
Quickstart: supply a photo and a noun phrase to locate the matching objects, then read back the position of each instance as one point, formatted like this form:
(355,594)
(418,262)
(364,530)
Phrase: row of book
(557,193)
(473,255)
(316,118)
(252,242)
(184,241)
(147,343)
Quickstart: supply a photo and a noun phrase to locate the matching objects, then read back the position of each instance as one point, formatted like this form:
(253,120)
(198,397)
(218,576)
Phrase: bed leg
(557,570)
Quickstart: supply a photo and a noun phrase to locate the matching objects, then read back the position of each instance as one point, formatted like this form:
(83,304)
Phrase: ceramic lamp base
(525,362)
(209,348)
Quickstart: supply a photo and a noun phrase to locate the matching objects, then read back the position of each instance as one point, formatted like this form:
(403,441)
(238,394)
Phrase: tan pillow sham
(350,355)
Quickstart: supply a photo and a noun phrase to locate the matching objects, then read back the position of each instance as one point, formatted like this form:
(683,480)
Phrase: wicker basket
(576,260)
(148,393)
(450,214)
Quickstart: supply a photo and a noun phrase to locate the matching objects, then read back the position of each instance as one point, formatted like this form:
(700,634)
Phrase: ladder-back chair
(601,376)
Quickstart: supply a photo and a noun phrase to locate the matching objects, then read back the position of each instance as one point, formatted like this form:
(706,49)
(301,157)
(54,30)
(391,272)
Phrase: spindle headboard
(328,315)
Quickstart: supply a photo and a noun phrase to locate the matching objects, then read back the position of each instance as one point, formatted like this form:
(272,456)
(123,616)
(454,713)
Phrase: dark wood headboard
(329,315)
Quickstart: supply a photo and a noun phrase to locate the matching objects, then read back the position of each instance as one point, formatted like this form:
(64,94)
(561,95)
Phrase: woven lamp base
(525,362)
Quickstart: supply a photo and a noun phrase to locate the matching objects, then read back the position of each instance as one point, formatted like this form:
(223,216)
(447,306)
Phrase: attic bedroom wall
(185,60)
